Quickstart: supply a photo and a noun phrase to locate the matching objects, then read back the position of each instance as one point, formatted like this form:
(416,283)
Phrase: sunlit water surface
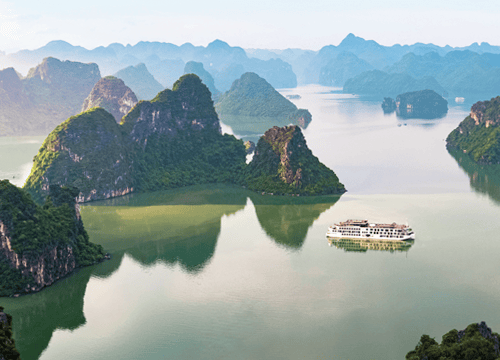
(222,273)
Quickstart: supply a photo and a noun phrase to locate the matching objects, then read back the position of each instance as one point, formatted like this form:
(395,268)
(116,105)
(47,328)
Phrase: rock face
(39,245)
(252,104)
(283,164)
(50,93)
(193,67)
(478,135)
(173,140)
(140,80)
(112,95)
(8,349)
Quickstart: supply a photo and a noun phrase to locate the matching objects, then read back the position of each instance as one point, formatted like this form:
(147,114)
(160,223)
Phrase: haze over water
(222,273)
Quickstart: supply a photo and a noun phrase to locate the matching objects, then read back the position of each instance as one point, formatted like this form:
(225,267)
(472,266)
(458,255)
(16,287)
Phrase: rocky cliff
(171,141)
(283,164)
(8,349)
(478,135)
(50,93)
(39,245)
(112,95)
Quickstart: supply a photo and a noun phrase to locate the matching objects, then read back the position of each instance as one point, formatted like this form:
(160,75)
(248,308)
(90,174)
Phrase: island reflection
(484,179)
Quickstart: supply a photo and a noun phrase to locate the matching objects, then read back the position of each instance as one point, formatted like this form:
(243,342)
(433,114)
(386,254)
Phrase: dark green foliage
(11,280)
(476,342)
(283,164)
(33,229)
(424,104)
(253,96)
(189,159)
(482,141)
(8,349)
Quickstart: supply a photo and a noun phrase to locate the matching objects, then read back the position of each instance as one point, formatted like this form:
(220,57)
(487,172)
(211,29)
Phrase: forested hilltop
(172,141)
(41,244)
(252,104)
(283,164)
(478,135)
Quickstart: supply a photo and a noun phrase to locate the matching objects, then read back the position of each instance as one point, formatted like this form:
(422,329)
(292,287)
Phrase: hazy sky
(274,24)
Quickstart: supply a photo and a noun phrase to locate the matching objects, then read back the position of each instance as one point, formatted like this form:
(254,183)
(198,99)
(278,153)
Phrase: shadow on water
(484,179)
(362,245)
(288,219)
(60,306)
(178,227)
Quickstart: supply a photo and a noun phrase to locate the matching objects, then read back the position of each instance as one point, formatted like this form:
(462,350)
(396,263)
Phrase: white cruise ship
(362,229)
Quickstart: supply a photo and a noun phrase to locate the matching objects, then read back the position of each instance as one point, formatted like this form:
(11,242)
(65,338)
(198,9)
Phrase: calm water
(222,273)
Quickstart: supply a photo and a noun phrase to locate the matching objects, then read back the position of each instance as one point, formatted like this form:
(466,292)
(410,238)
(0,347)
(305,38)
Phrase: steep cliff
(39,245)
(283,164)
(173,140)
(50,93)
(478,135)
(112,95)
(8,349)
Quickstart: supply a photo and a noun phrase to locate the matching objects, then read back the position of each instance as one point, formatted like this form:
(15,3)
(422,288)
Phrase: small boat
(459,100)
(362,229)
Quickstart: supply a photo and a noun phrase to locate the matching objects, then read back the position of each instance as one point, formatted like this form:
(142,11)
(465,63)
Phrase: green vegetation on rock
(478,135)
(477,341)
(423,104)
(8,349)
(253,97)
(283,164)
(34,230)
(169,142)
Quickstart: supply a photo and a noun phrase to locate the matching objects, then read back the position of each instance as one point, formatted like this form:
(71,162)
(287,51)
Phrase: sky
(271,24)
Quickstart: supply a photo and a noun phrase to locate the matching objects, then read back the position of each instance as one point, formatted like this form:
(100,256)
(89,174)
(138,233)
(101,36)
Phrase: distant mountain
(345,66)
(193,67)
(459,72)
(165,71)
(162,60)
(378,56)
(112,95)
(253,105)
(382,84)
(140,80)
(52,92)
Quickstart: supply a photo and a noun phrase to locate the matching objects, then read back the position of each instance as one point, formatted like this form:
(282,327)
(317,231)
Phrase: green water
(223,273)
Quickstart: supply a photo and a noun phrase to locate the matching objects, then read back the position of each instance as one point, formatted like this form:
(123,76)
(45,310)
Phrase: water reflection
(362,245)
(484,179)
(60,306)
(287,219)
